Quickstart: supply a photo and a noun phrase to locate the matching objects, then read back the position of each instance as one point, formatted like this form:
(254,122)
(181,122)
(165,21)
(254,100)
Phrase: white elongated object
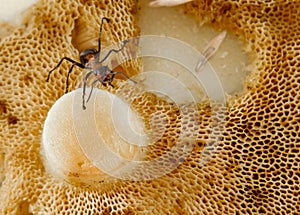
(211,49)
(167,3)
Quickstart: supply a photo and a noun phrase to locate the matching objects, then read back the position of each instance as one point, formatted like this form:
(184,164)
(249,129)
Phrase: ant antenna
(100,31)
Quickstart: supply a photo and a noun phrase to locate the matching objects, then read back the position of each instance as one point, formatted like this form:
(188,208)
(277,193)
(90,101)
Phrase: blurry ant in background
(90,59)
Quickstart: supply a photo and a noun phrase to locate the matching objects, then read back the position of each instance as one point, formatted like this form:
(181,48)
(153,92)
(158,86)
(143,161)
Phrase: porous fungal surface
(255,166)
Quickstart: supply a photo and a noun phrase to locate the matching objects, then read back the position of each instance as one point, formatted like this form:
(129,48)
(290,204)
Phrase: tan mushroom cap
(256,166)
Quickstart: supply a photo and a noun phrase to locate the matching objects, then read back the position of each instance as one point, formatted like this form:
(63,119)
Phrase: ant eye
(83,60)
(86,55)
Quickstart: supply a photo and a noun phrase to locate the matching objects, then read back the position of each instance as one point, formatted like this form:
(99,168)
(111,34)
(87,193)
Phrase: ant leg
(67,81)
(114,50)
(100,31)
(101,81)
(121,73)
(111,84)
(84,87)
(94,82)
(68,59)
(110,80)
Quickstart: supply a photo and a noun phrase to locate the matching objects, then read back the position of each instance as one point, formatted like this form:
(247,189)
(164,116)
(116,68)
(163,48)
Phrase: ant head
(86,55)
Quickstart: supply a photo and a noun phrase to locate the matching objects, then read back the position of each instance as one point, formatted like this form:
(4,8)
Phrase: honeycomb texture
(255,168)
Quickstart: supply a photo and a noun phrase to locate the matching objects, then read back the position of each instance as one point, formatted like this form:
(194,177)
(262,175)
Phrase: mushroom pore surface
(255,168)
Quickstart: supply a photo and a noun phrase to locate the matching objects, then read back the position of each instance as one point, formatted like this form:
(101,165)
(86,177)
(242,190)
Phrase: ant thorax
(93,63)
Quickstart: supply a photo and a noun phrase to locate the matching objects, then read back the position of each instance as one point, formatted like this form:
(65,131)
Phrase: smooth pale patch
(10,10)
(229,61)
(92,144)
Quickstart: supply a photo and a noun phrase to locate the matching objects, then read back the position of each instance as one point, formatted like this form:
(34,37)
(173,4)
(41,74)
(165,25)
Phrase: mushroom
(254,167)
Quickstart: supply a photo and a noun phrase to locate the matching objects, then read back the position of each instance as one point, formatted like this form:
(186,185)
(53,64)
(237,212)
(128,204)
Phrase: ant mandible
(90,59)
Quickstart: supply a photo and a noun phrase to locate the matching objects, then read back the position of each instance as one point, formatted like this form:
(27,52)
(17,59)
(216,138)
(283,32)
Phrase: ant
(90,59)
